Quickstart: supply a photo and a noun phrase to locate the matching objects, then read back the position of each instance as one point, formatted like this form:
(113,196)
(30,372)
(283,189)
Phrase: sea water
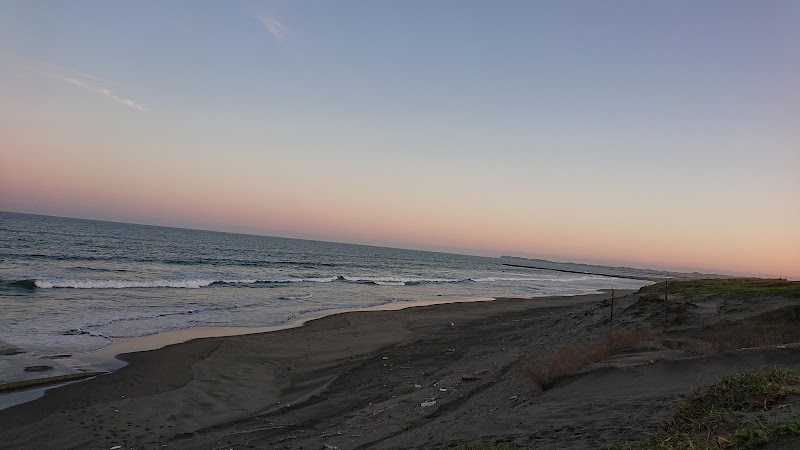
(73,285)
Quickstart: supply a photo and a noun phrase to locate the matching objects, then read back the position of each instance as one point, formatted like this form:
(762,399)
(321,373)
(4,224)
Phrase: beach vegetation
(779,326)
(569,359)
(730,287)
(743,410)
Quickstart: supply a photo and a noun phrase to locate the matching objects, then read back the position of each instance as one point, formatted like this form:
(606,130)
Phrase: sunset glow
(664,135)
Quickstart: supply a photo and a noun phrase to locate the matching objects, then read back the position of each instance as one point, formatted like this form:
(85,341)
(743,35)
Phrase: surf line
(579,272)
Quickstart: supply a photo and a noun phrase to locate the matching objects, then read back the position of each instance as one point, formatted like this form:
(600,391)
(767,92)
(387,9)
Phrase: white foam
(523,278)
(321,279)
(186,284)
(295,280)
(398,281)
(203,282)
(246,281)
(296,297)
(121,284)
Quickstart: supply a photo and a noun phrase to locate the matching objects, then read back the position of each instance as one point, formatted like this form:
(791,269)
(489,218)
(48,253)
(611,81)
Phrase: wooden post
(612,310)
(666,288)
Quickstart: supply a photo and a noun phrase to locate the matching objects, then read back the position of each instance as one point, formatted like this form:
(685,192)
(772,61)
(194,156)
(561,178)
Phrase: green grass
(732,413)
(735,287)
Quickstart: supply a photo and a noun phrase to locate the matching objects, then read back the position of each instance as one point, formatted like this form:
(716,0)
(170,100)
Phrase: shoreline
(134,356)
(427,377)
(109,359)
(105,359)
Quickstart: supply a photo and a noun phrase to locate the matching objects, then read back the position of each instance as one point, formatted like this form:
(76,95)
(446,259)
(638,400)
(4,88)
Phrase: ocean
(73,286)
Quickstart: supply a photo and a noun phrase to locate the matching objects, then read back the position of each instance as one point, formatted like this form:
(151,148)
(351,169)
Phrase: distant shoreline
(588,273)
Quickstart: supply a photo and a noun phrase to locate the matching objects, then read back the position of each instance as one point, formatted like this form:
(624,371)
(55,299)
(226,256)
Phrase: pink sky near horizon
(70,188)
(583,134)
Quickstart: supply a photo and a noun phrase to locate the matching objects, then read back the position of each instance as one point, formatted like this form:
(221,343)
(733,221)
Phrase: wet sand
(359,380)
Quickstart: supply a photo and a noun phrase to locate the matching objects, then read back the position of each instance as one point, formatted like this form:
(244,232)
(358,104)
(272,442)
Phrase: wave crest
(398,281)
(295,297)
(143,284)
(52,283)
(121,284)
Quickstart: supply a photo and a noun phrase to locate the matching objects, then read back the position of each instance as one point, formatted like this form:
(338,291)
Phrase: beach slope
(426,377)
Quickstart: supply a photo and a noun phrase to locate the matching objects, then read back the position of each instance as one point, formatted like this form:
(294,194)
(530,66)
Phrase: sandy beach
(399,225)
(424,377)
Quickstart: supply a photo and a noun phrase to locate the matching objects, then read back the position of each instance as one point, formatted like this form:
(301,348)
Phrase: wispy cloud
(105,92)
(82,80)
(278,30)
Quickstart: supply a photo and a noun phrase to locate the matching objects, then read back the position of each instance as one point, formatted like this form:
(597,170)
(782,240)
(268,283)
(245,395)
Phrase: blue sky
(658,133)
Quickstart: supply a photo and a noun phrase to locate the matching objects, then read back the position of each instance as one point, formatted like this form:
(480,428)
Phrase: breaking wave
(141,284)
(53,283)
(121,284)
(295,297)
(398,281)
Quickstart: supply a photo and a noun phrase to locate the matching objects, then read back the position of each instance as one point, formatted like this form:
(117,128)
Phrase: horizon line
(498,255)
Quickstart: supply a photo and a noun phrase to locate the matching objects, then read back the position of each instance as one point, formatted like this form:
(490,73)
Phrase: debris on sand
(38,368)
(472,376)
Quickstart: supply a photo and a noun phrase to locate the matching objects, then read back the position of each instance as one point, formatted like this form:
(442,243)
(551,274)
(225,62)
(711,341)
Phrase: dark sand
(357,380)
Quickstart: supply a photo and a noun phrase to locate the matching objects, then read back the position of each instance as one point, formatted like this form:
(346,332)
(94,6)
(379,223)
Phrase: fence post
(612,310)
(666,289)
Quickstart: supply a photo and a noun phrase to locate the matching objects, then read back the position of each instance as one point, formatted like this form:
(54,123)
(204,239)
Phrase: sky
(657,134)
